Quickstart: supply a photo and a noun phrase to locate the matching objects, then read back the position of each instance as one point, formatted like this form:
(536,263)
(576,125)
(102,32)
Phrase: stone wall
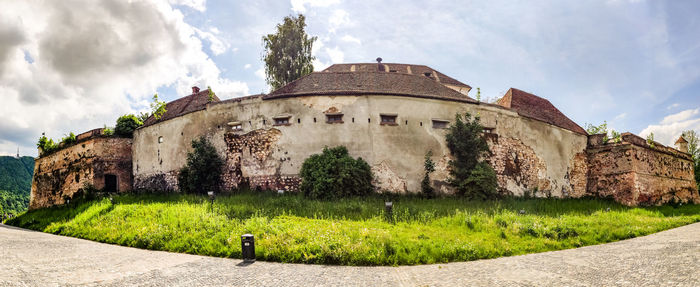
(530,155)
(635,173)
(60,175)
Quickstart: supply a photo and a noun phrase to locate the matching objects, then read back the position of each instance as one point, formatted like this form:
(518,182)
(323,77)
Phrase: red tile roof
(419,70)
(368,83)
(532,106)
(184,105)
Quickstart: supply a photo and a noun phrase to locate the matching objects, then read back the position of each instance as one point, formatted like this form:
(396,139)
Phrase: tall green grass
(291,228)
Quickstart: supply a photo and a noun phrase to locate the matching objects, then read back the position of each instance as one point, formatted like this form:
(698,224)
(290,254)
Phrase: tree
(469,173)
(127,124)
(287,53)
(157,107)
(429,167)
(692,138)
(335,174)
(202,173)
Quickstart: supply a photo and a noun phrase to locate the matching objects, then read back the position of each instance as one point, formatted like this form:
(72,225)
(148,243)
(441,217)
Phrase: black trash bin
(248,247)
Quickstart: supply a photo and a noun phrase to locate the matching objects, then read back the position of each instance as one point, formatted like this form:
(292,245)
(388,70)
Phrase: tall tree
(287,54)
(692,137)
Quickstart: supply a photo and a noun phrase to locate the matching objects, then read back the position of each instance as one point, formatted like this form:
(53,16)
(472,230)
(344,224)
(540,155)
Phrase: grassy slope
(353,231)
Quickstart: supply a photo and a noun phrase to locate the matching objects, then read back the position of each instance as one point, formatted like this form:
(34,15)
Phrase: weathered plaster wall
(529,155)
(58,176)
(634,173)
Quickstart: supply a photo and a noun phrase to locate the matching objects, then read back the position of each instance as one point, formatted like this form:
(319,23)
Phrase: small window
(421,124)
(427,74)
(314,120)
(298,121)
(388,119)
(392,71)
(263,121)
(282,121)
(160,139)
(440,124)
(353,120)
(334,118)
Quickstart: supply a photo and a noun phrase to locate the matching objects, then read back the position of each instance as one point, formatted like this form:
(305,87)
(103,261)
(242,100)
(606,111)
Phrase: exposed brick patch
(157,182)
(517,167)
(577,176)
(248,161)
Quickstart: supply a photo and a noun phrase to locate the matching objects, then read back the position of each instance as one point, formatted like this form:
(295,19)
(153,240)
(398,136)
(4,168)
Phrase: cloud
(260,73)
(336,55)
(247,66)
(338,19)
(92,61)
(351,39)
(199,5)
(620,117)
(299,6)
(216,45)
(671,127)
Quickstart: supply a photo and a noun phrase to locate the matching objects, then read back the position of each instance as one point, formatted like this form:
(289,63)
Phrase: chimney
(380,67)
(195,90)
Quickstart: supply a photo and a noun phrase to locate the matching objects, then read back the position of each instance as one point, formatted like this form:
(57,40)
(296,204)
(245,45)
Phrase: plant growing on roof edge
(429,166)
(335,174)
(650,140)
(211,94)
(157,107)
(203,170)
(287,53)
(69,139)
(469,173)
(127,124)
(601,129)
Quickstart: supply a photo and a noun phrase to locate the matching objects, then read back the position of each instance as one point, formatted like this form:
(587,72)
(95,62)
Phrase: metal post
(388,211)
(211,198)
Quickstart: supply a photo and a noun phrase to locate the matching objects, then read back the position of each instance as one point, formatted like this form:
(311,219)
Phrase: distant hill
(15,183)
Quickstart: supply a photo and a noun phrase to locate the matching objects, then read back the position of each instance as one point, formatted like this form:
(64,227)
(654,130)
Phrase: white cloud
(338,19)
(199,5)
(260,73)
(673,106)
(336,55)
(351,39)
(247,66)
(671,127)
(93,61)
(679,117)
(620,117)
(216,44)
(300,5)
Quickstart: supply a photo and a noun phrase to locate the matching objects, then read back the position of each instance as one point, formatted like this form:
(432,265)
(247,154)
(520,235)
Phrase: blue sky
(75,65)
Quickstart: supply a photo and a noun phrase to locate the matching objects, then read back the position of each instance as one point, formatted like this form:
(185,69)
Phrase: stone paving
(28,258)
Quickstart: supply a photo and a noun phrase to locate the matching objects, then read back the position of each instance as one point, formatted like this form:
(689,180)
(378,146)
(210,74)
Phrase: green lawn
(354,231)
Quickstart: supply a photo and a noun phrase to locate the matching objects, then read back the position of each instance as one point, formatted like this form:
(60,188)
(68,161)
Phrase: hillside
(15,183)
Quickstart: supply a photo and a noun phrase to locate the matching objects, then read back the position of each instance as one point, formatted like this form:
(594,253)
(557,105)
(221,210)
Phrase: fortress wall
(529,155)
(634,173)
(58,176)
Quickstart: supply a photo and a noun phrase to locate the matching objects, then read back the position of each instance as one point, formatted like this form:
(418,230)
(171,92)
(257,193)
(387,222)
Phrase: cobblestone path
(28,258)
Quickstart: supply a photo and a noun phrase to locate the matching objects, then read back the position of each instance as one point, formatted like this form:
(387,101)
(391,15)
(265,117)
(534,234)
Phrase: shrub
(127,124)
(203,170)
(429,166)
(108,131)
(469,174)
(158,107)
(47,145)
(334,174)
(69,139)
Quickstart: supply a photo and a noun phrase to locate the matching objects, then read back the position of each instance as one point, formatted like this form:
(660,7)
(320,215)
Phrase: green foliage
(478,94)
(107,131)
(127,124)
(692,138)
(429,166)
(335,174)
(287,53)
(69,139)
(15,183)
(46,145)
(158,107)
(650,140)
(202,173)
(352,231)
(601,129)
(143,116)
(211,94)
(469,174)
(616,136)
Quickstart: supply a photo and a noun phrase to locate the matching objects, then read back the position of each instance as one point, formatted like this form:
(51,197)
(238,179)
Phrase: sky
(74,65)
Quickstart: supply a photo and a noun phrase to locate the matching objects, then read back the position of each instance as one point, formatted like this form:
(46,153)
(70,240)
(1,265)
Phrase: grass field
(290,228)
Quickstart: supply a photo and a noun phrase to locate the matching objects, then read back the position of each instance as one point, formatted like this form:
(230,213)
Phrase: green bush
(203,170)
(335,174)
(69,139)
(469,173)
(47,145)
(127,124)
(429,166)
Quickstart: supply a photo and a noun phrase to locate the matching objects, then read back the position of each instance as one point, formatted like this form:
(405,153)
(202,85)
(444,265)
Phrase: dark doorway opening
(110,183)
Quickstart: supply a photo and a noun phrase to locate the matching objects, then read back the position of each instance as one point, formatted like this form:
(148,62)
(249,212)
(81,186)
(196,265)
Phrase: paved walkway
(28,258)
